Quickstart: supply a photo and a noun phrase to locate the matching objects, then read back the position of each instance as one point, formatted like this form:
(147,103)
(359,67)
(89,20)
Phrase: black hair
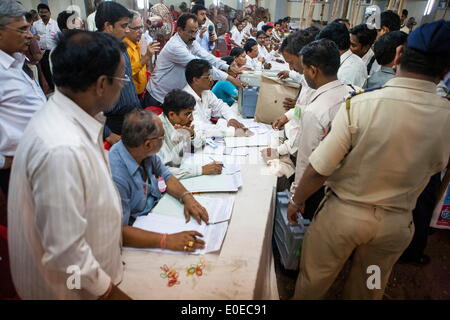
(236,52)
(43,6)
(177,100)
(429,64)
(260,33)
(405,13)
(266,27)
(390,20)
(296,41)
(228,59)
(183,19)
(249,45)
(323,54)
(340,20)
(81,57)
(62,19)
(29,16)
(283,44)
(385,47)
(195,9)
(139,125)
(111,12)
(313,30)
(196,68)
(277,22)
(338,33)
(365,35)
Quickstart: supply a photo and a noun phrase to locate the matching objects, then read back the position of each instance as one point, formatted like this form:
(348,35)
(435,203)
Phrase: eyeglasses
(136,28)
(25,29)
(124,80)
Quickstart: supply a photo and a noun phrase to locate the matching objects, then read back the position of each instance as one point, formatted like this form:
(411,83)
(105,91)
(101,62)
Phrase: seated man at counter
(141,177)
(180,136)
(199,85)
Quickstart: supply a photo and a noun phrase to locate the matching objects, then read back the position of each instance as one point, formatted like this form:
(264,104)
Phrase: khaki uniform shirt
(400,139)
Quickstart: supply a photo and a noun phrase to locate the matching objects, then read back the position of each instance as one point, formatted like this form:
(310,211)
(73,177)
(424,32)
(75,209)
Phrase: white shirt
(237,36)
(47,33)
(20,98)
(366,58)
(63,207)
(353,70)
(91,22)
(260,25)
(247,28)
(263,53)
(253,63)
(171,64)
(145,41)
(315,122)
(208,105)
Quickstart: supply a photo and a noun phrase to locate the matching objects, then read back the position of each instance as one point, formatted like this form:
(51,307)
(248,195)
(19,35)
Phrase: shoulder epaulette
(355,93)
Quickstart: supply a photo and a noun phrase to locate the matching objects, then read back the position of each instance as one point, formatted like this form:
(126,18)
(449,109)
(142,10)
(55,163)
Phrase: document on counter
(257,140)
(214,183)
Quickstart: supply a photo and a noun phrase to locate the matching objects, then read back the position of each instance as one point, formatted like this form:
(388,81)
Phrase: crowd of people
(362,157)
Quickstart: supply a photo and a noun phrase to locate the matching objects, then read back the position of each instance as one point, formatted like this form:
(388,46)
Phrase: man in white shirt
(320,62)
(173,58)
(46,29)
(263,53)
(64,213)
(91,18)
(352,70)
(262,23)
(199,85)
(237,35)
(20,96)
(361,41)
(251,58)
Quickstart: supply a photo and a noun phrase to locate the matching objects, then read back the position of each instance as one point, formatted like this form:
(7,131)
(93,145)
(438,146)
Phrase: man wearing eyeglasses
(138,62)
(113,18)
(20,96)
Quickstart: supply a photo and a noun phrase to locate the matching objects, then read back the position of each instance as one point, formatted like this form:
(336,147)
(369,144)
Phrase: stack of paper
(254,141)
(214,183)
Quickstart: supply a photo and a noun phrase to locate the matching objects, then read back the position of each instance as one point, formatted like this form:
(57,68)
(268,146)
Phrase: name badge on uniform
(162,185)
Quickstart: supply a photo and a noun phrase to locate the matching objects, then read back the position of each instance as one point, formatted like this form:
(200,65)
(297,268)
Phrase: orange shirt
(139,71)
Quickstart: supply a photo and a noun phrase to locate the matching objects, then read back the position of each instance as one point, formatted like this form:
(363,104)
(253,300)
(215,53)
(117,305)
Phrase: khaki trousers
(376,236)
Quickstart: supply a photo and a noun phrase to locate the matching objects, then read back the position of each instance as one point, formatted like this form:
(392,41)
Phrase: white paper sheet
(254,141)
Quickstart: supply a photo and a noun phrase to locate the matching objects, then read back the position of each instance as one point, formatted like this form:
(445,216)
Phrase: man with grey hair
(20,96)
(141,178)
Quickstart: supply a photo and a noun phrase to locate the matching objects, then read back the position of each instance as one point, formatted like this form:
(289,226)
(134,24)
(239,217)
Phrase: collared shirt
(127,102)
(263,53)
(47,33)
(352,71)
(292,128)
(253,63)
(20,98)
(392,148)
(315,122)
(204,41)
(139,71)
(260,25)
(237,36)
(171,64)
(379,78)
(366,58)
(63,209)
(175,146)
(138,196)
(208,105)
(91,22)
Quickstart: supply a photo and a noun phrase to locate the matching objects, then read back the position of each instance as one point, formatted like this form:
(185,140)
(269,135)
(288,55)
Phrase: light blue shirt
(138,196)
(171,64)
(204,42)
(379,78)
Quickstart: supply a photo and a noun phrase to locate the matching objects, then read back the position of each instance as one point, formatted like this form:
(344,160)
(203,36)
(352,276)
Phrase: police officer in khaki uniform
(383,148)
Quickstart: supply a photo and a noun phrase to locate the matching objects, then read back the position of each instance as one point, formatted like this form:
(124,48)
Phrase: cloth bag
(272,93)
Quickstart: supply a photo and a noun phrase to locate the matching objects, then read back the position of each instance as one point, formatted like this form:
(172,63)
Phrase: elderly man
(113,18)
(199,85)
(172,61)
(352,70)
(64,211)
(366,161)
(20,96)
(180,136)
(46,30)
(141,178)
(138,61)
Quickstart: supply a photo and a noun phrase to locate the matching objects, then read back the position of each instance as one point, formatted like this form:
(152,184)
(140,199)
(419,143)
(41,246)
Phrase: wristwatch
(295,204)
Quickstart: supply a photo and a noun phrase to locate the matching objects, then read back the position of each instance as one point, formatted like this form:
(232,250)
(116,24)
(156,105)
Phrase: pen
(215,160)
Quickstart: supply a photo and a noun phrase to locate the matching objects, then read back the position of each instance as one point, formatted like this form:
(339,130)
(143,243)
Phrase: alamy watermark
(374,280)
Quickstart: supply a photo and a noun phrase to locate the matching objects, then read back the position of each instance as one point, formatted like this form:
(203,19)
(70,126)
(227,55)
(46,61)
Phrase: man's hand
(280,61)
(190,129)
(212,168)
(262,60)
(202,32)
(243,132)
(192,207)
(283,75)
(236,124)
(288,103)
(269,154)
(234,71)
(152,48)
(267,66)
(113,138)
(279,124)
(180,241)
(8,163)
(292,212)
(238,83)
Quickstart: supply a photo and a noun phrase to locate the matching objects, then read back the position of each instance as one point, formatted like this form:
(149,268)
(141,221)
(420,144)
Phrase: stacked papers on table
(254,141)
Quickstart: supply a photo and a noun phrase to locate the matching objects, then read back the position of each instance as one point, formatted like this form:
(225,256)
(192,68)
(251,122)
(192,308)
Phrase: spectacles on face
(209,77)
(124,80)
(24,29)
(138,28)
